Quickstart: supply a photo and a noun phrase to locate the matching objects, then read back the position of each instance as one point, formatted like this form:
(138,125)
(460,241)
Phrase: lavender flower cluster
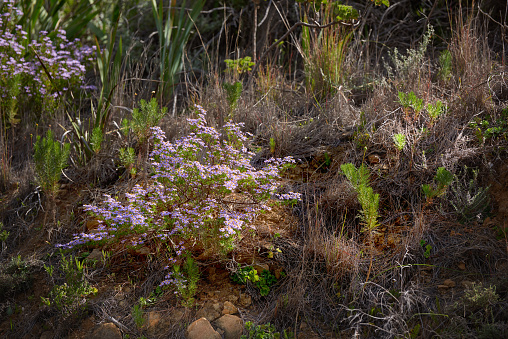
(203,188)
(19,66)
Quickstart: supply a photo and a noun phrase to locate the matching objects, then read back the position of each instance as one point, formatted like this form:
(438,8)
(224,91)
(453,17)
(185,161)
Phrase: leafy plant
(266,331)
(443,179)
(262,281)
(489,129)
(239,66)
(406,65)
(369,201)
(411,100)
(233,94)
(50,159)
(68,296)
(445,65)
(137,314)
(128,159)
(469,199)
(435,110)
(145,117)
(184,279)
(427,248)
(400,141)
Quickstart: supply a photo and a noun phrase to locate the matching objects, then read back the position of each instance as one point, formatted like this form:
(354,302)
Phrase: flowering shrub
(202,190)
(22,77)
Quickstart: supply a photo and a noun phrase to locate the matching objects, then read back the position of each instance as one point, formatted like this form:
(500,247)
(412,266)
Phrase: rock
(201,329)
(306,332)
(449,283)
(229,308)
(177,315)
(209,311)
(278,273)
(260,267)
(152,320)
(106,330)
(95,255)
(232,298)
(373,159)
(143,251)
(231,325)
(245,300)
(442,288)
(462,266)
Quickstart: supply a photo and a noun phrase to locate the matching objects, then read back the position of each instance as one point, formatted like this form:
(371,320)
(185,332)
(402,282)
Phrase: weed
(369,201)
(262,281)
(3,237)
(50,159)
(137,314)
(442,180)
(15,276)
(70,295)
(145,117)
(128,160)
(445,65)
(185,280)
(266,331)
(404,66)
(469,199)
(239,66)
(400,141)
(426,247)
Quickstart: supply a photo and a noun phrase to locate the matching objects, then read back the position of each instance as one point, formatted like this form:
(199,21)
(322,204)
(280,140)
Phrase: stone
(201,329)
(260,267)
(143,251)
(449,283)
(231,325)
(177,315)
(209,312)
(106,330)
(374,159)
(152,320)
(462,266)
(232,298)
(245,300)
(229,308)
(95,255)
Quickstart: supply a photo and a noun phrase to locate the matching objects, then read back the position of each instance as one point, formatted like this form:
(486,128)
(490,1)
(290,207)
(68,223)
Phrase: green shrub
(148,115)
(369,201)
(50,159)
(15,276)
(442,180)
(262,281)
(469,199)
(72,294)
(266,331)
